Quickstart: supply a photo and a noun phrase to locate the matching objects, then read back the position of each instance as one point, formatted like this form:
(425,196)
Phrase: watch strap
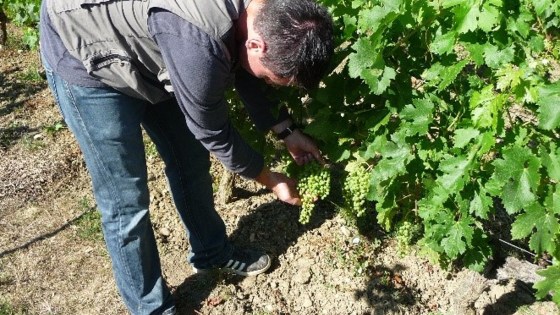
(286,132)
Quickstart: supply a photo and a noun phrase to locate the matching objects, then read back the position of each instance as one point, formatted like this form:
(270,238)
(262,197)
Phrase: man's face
(257,69)
(251,62)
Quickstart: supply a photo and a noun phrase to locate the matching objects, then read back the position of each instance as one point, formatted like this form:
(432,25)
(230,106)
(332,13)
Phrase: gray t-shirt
(200,74)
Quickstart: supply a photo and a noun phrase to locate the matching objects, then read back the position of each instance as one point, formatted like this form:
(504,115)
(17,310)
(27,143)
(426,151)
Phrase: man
(117,66)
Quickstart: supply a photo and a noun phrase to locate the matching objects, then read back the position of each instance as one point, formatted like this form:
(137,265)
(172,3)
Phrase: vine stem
(522,249)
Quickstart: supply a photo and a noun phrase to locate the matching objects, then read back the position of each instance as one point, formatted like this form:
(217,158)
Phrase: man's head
(296,41)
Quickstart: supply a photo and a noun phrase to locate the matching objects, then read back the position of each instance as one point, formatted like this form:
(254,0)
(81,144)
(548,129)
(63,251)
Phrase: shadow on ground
(13,94)
(511,302)
(273,227)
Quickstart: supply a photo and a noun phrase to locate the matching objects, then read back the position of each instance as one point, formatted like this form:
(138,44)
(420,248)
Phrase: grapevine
(355,190)
(313,183)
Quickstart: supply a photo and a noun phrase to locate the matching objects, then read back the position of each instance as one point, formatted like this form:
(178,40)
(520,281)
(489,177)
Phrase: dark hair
(299,39)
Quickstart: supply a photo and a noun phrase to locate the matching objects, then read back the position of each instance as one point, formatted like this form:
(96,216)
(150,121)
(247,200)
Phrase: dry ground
(53,259)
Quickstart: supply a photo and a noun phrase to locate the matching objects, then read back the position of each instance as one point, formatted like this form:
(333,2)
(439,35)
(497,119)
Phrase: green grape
(405,233)
(356,189)
(313,183)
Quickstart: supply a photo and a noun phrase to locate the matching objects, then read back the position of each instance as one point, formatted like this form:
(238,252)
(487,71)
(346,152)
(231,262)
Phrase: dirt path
(53,259)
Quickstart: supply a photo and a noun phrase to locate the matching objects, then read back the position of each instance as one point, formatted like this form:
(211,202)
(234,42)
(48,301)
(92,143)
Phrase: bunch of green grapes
(313,183)
(355,190)
(405,234)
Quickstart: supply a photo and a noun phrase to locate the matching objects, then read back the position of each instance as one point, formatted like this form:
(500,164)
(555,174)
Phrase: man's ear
(256,46)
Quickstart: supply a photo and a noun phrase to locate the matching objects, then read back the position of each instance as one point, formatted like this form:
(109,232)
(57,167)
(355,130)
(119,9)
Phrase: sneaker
(245,262)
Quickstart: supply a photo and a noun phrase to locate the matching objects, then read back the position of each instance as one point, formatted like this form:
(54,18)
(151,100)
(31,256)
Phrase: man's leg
(187,167)
(106,125)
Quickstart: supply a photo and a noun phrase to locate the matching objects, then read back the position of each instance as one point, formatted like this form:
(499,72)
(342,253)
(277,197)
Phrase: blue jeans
(107,125)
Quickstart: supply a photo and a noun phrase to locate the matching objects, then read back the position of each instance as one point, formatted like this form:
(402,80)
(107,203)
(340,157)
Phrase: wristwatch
(286,132)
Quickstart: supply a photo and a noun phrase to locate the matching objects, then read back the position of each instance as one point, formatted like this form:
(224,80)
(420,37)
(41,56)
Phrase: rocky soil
(53,260)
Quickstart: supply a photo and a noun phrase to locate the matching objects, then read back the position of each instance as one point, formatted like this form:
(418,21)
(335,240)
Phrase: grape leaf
(419,115)
(464,136)
(479,254)
(349,25)
(550,283)
(449,74)
(508,76)
(458,238)
(443,44)
(494,58)
(551,160)
(549,100)
(552,201)
(486,107)
(371,19)
(519,171)
(541,5)
(455,170)
(480,204)
(476,52)
(521,24)
(442,76)
(376,84)
(466,17)
(490,16)
(395,159)
(525,223)
(451,3)
(363,58)
(393,5)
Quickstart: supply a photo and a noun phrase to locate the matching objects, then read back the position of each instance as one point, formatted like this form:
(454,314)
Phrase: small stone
(303,276)
(345,231)
(356,240)
(164,232)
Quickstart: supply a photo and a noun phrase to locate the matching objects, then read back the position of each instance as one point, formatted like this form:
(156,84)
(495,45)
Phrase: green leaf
(464,136)
(372,19)
(442,76)
(550,283)
(551,160)
(480,204)
(443,44)
(490,16)
(541,5)
(466,18)
(363,58)
(494,58)
(519,173)
(420,116)
(549,102)
(477,257)
(552,201)
(378,85)
(508,76)
(458,238)
(476,52)
(349,25)
(521,24)
(455,171)
(486,107)
(451,3)
(450,73)
(525,223)
(393,5)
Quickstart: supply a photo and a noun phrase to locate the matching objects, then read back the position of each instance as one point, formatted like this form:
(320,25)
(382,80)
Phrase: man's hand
(281,185)
(302,148)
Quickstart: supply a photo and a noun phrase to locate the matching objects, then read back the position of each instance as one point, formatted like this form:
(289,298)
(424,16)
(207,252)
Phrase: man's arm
(200,74)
